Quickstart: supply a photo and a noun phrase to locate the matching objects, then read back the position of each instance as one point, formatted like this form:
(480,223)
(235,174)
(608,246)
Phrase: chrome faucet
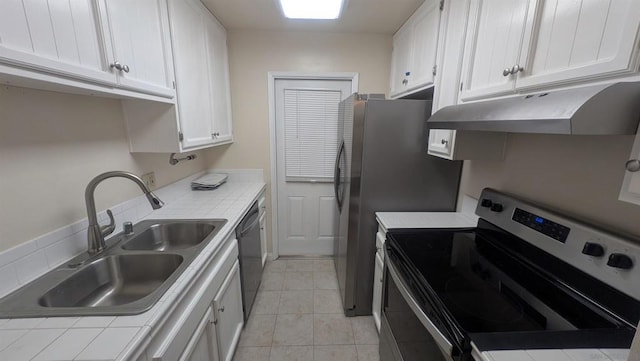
(96,232)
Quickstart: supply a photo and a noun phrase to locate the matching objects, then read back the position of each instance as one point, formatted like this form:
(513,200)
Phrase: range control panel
(611,258)
(542,225)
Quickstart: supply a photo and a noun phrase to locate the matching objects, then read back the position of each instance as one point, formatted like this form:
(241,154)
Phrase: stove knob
(486,203)
(497,207)
(619,260)
(593,249)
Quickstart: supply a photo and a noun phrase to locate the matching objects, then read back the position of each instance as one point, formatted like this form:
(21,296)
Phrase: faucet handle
(108,229)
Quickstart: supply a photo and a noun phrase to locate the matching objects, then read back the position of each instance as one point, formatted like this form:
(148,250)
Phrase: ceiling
(359,16)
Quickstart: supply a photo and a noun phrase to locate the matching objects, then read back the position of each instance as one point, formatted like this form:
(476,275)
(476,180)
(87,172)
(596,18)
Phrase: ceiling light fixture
(312,9)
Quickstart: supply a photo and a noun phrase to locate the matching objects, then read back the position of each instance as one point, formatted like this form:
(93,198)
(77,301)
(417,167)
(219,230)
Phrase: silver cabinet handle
(221,309)
(116,65)
(444,141)
(633,165)
(516,69)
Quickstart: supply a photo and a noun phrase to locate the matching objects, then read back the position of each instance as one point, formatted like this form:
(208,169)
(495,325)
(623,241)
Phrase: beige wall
(581,175)
(253,54)
(51,145)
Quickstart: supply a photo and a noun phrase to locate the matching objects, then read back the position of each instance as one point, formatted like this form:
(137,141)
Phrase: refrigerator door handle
(336,176)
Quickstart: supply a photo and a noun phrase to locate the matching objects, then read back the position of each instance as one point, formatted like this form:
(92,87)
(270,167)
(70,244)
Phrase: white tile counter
(391,220)
(125,337)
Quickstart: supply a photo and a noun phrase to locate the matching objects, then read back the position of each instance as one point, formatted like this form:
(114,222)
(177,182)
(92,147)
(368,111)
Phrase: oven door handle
(440,339)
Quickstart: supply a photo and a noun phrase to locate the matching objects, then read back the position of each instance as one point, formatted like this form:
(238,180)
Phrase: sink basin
(127,278)
(113,281)
(172,236)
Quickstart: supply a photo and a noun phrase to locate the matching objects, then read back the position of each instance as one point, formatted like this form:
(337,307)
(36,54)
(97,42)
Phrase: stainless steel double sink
(128,278)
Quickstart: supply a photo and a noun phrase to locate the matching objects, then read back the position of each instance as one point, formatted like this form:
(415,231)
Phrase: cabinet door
(202,345)
(400,59)
(377,290)
(441,142)
(189,41)
(138,31)
(219,79)
(60,37)
(425,27)
(581,40)
(494,38)
(263,237)
(630,191)
(227,305)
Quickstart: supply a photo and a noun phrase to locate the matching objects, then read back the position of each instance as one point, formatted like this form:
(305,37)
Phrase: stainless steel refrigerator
(382,166)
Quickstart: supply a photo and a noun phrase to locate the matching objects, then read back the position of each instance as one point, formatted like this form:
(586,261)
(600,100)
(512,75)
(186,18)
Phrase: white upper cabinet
(446,143)
(202,75)
(138,37)
(219,80)
(191,67)
(525,45)
(59,37)
(414,50)
(201,117)
(400,61)
(493,45)
(581,40)
(100,45)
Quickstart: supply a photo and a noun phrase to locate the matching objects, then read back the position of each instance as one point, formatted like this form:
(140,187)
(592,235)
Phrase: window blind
(311,132)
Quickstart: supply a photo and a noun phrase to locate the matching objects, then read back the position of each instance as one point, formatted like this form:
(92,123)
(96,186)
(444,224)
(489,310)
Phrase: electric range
(523,278)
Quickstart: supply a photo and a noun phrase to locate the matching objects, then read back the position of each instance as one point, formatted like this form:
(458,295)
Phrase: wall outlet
(149,179)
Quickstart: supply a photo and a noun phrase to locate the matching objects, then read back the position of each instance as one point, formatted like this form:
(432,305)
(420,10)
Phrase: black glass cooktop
(475,284)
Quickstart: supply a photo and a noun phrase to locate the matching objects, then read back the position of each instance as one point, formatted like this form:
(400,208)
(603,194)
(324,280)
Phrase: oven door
(406,333)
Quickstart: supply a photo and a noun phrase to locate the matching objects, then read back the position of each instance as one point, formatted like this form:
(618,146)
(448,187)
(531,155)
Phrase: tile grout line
(49,344)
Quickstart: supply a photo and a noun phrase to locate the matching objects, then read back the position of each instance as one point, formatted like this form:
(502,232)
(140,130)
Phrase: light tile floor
(298,316)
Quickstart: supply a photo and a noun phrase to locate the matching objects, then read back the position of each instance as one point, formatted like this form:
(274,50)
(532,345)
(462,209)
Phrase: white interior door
(306,117)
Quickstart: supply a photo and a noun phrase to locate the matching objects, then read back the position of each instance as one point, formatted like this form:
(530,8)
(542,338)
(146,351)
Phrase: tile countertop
(122,337)
(466,218)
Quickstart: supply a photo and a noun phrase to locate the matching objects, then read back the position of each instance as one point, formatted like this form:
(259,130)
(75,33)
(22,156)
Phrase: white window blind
(311,132)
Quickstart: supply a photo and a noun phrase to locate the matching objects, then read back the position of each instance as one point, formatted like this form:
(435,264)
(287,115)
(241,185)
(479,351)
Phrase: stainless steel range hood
(607,109)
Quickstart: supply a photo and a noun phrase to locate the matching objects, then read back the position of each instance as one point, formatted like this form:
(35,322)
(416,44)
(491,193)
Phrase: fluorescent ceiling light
(311,9)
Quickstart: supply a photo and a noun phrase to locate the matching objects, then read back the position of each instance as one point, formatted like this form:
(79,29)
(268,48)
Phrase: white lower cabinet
(203,345)
(229,319)
(377,290)
(205,324)
(376,309)
(262,208)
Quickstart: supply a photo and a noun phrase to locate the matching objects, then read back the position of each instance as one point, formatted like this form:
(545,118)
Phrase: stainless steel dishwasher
(248,234)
